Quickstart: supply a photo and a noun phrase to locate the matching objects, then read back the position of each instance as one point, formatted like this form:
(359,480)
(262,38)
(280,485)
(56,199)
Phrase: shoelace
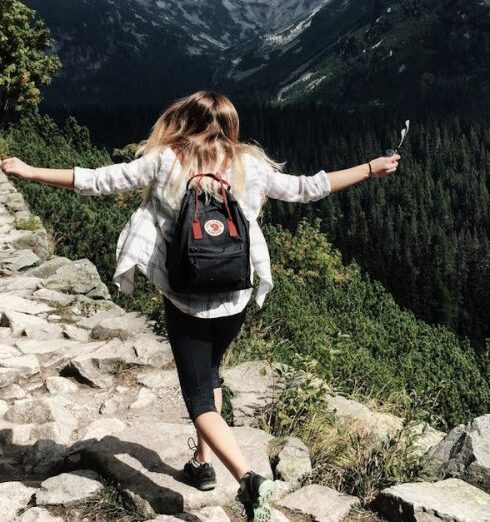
(192,447)
(193,441)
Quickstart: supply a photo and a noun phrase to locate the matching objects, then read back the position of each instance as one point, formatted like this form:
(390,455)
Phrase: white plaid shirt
(142,241)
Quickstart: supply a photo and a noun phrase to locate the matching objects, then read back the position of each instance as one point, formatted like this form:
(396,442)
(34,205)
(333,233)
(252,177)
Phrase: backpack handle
(196,225)
(211,175)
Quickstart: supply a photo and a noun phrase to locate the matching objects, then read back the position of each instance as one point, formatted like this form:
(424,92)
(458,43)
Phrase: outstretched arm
(57,177)
(120,177)
(380,167)
(288,187)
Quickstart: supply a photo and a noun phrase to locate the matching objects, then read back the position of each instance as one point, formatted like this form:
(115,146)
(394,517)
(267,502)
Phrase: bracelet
(370,170)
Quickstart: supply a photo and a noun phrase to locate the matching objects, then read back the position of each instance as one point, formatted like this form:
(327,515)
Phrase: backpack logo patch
(214,227)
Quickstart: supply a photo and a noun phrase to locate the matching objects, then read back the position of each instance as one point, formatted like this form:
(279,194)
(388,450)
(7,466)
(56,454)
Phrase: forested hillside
(322,314)
(423,232)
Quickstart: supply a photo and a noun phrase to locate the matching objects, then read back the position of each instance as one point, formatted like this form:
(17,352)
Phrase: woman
(200,133)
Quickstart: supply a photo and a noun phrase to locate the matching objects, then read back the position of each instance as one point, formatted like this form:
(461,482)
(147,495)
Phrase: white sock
(195,462)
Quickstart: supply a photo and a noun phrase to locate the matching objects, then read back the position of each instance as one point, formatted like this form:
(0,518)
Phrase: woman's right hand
(16,167)
(384,165)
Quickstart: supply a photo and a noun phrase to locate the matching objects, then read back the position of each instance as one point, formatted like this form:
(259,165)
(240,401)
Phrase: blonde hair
(203,129)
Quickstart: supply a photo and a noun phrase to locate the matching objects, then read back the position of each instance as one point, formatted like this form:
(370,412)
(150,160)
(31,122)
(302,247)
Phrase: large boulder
(123,327)
(377,425)
(321,503)
(451,500)
(290,458)
(8,376)
(254,386)
(78,277)
(464,453)
(16,303)
(23,324)
(47,416)
(68,488)
(27,365)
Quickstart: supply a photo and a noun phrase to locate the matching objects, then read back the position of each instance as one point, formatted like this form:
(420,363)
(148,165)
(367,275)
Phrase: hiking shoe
(200,474)
(254,493)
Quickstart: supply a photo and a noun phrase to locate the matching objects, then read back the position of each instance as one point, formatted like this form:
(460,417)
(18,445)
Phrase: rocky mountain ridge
(89,394)
(384,52)
(130,51)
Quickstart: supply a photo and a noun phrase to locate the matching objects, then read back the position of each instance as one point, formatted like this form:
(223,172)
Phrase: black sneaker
(200,474)
(254,493)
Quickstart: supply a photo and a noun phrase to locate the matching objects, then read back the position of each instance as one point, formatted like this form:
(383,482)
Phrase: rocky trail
(90,399)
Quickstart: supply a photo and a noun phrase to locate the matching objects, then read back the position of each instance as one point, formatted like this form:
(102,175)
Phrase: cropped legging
(198,345)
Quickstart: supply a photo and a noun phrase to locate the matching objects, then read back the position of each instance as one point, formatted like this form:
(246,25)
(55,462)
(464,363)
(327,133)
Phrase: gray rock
(44,457)
(464,453)
(146,460)
(7,351)
(71,331)
(49,267)
(34,240)
(278,516)
(56,353)
(3,408)
(322,503)
(19,282)
(46,346)
(13,496)
(30,325)
(144,399)
(121,327)
(110,406)
(88,307)
(8,376)
(53,296)
(90,322)
(154,379)
(281,489)
(26,365)
(14,391)
(48,414)
(102,427)
(61,385)
(252,385)
(291,458)
(426,438)
(37,514)
(150,351)
(451,500)
(377,425)
(77,277)
(19,260)
(67,488)
(211,514)
(89,370)
(14,303)
(14,434)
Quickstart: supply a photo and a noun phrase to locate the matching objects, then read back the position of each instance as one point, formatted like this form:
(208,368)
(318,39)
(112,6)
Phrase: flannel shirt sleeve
(292,188)
(120,177)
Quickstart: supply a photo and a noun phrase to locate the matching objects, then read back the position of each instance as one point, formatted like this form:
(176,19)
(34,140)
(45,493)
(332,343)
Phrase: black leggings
(198,346)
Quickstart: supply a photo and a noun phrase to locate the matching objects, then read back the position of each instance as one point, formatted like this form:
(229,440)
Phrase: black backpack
(210,248)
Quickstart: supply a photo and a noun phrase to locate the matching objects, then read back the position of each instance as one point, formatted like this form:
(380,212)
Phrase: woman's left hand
(15,166)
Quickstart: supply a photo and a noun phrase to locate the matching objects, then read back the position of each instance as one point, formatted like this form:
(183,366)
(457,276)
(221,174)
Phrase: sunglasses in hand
(404,132)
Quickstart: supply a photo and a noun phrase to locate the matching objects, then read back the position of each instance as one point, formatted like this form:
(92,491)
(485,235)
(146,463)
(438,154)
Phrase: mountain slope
(145,51)
(356,52)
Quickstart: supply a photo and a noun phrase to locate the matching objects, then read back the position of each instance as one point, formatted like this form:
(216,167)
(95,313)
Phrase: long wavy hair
(203,130)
